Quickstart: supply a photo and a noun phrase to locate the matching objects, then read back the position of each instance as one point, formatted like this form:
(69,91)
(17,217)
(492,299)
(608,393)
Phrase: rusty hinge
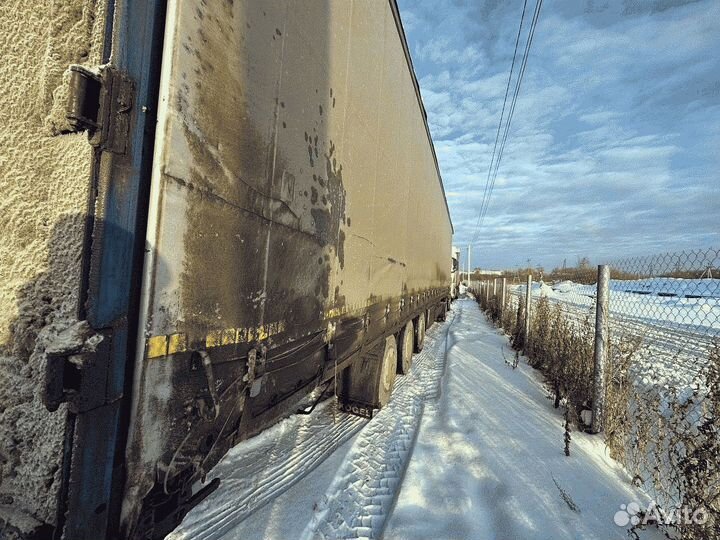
(77,374)
(101,103)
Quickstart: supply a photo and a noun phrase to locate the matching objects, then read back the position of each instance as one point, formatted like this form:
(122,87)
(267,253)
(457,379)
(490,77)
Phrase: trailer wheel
(406,343)
(387,371)
(420,332)
(369,380)
(442,313)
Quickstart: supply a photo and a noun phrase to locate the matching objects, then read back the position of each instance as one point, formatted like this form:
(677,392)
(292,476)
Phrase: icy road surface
(468,448)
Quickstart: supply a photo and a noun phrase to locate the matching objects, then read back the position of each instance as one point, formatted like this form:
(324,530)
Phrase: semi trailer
(210,211)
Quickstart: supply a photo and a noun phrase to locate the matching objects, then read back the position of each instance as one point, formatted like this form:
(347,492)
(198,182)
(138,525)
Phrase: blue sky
(615,141)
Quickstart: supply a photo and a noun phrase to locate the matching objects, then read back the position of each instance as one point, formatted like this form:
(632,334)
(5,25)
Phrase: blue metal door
(97,427)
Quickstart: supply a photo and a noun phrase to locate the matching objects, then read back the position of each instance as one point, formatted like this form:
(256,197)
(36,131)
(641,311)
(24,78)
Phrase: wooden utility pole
(469,267)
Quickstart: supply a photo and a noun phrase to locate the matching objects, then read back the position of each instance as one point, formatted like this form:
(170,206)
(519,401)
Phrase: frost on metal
(44,187)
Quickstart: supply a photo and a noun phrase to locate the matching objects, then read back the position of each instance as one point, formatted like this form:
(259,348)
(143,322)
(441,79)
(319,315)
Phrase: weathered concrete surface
(44,183)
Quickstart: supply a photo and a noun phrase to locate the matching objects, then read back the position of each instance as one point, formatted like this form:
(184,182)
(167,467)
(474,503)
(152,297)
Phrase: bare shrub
(563,350)
(494,310)
(517,335)
(537,349)
(667,437)
(618,393)
(699,463)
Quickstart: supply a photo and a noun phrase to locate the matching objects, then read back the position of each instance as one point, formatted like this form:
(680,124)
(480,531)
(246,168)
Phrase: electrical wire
(495,161)
(502,115)
(521,73)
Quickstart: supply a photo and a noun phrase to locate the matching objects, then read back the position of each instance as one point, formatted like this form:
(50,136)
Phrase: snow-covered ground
(677,321)
(691,304)
(468,448)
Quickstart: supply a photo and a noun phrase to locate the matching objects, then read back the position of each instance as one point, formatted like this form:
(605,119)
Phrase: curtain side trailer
(257,210)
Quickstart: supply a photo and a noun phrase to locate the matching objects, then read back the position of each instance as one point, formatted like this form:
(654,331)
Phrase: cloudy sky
(615,141)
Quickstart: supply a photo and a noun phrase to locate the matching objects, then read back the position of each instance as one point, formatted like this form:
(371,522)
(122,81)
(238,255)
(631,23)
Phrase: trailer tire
(388,370)
(406,347)
(442,312)
(420,326)
(369,380)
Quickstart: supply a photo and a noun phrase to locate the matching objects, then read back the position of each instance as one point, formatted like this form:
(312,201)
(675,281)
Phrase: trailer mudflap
(356,408)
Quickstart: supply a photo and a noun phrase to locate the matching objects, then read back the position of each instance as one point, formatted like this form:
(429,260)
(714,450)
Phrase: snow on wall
(44,183)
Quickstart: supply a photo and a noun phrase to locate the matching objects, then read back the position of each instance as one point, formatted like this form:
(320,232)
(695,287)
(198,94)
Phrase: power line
(521,73)
(502,115)
(526,54)
(492,174)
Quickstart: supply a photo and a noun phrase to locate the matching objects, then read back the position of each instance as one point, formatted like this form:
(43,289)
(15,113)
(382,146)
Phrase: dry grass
(618,393)
(699,456)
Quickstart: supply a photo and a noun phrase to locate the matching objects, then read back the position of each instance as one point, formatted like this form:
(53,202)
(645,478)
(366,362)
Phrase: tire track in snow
(362,494)
(258,470)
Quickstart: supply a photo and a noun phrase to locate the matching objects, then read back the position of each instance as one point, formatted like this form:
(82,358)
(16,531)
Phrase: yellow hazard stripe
(157,346)
(164,345)
(177,343)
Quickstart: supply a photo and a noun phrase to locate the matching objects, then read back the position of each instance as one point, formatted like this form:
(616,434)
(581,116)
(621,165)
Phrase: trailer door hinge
(101,103)
(78,376)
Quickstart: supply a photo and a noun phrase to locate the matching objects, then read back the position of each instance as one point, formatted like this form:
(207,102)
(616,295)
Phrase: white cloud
(441,51)
(613,144)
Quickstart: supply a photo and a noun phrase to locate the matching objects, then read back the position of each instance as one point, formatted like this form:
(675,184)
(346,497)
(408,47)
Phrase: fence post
(503,294)
(528,304)
(601,346)
(494,287)
(487,291)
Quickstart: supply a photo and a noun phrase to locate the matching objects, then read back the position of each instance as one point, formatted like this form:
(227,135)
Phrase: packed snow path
(468,448)
(489,460)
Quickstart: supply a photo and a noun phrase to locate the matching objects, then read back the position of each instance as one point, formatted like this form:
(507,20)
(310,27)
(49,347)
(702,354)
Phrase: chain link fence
(646,371)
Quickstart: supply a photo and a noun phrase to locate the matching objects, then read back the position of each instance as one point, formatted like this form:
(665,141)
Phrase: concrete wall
(44,188)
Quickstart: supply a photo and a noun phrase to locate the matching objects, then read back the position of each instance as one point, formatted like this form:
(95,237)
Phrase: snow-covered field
(677,320)
(691,304)
(468,448)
